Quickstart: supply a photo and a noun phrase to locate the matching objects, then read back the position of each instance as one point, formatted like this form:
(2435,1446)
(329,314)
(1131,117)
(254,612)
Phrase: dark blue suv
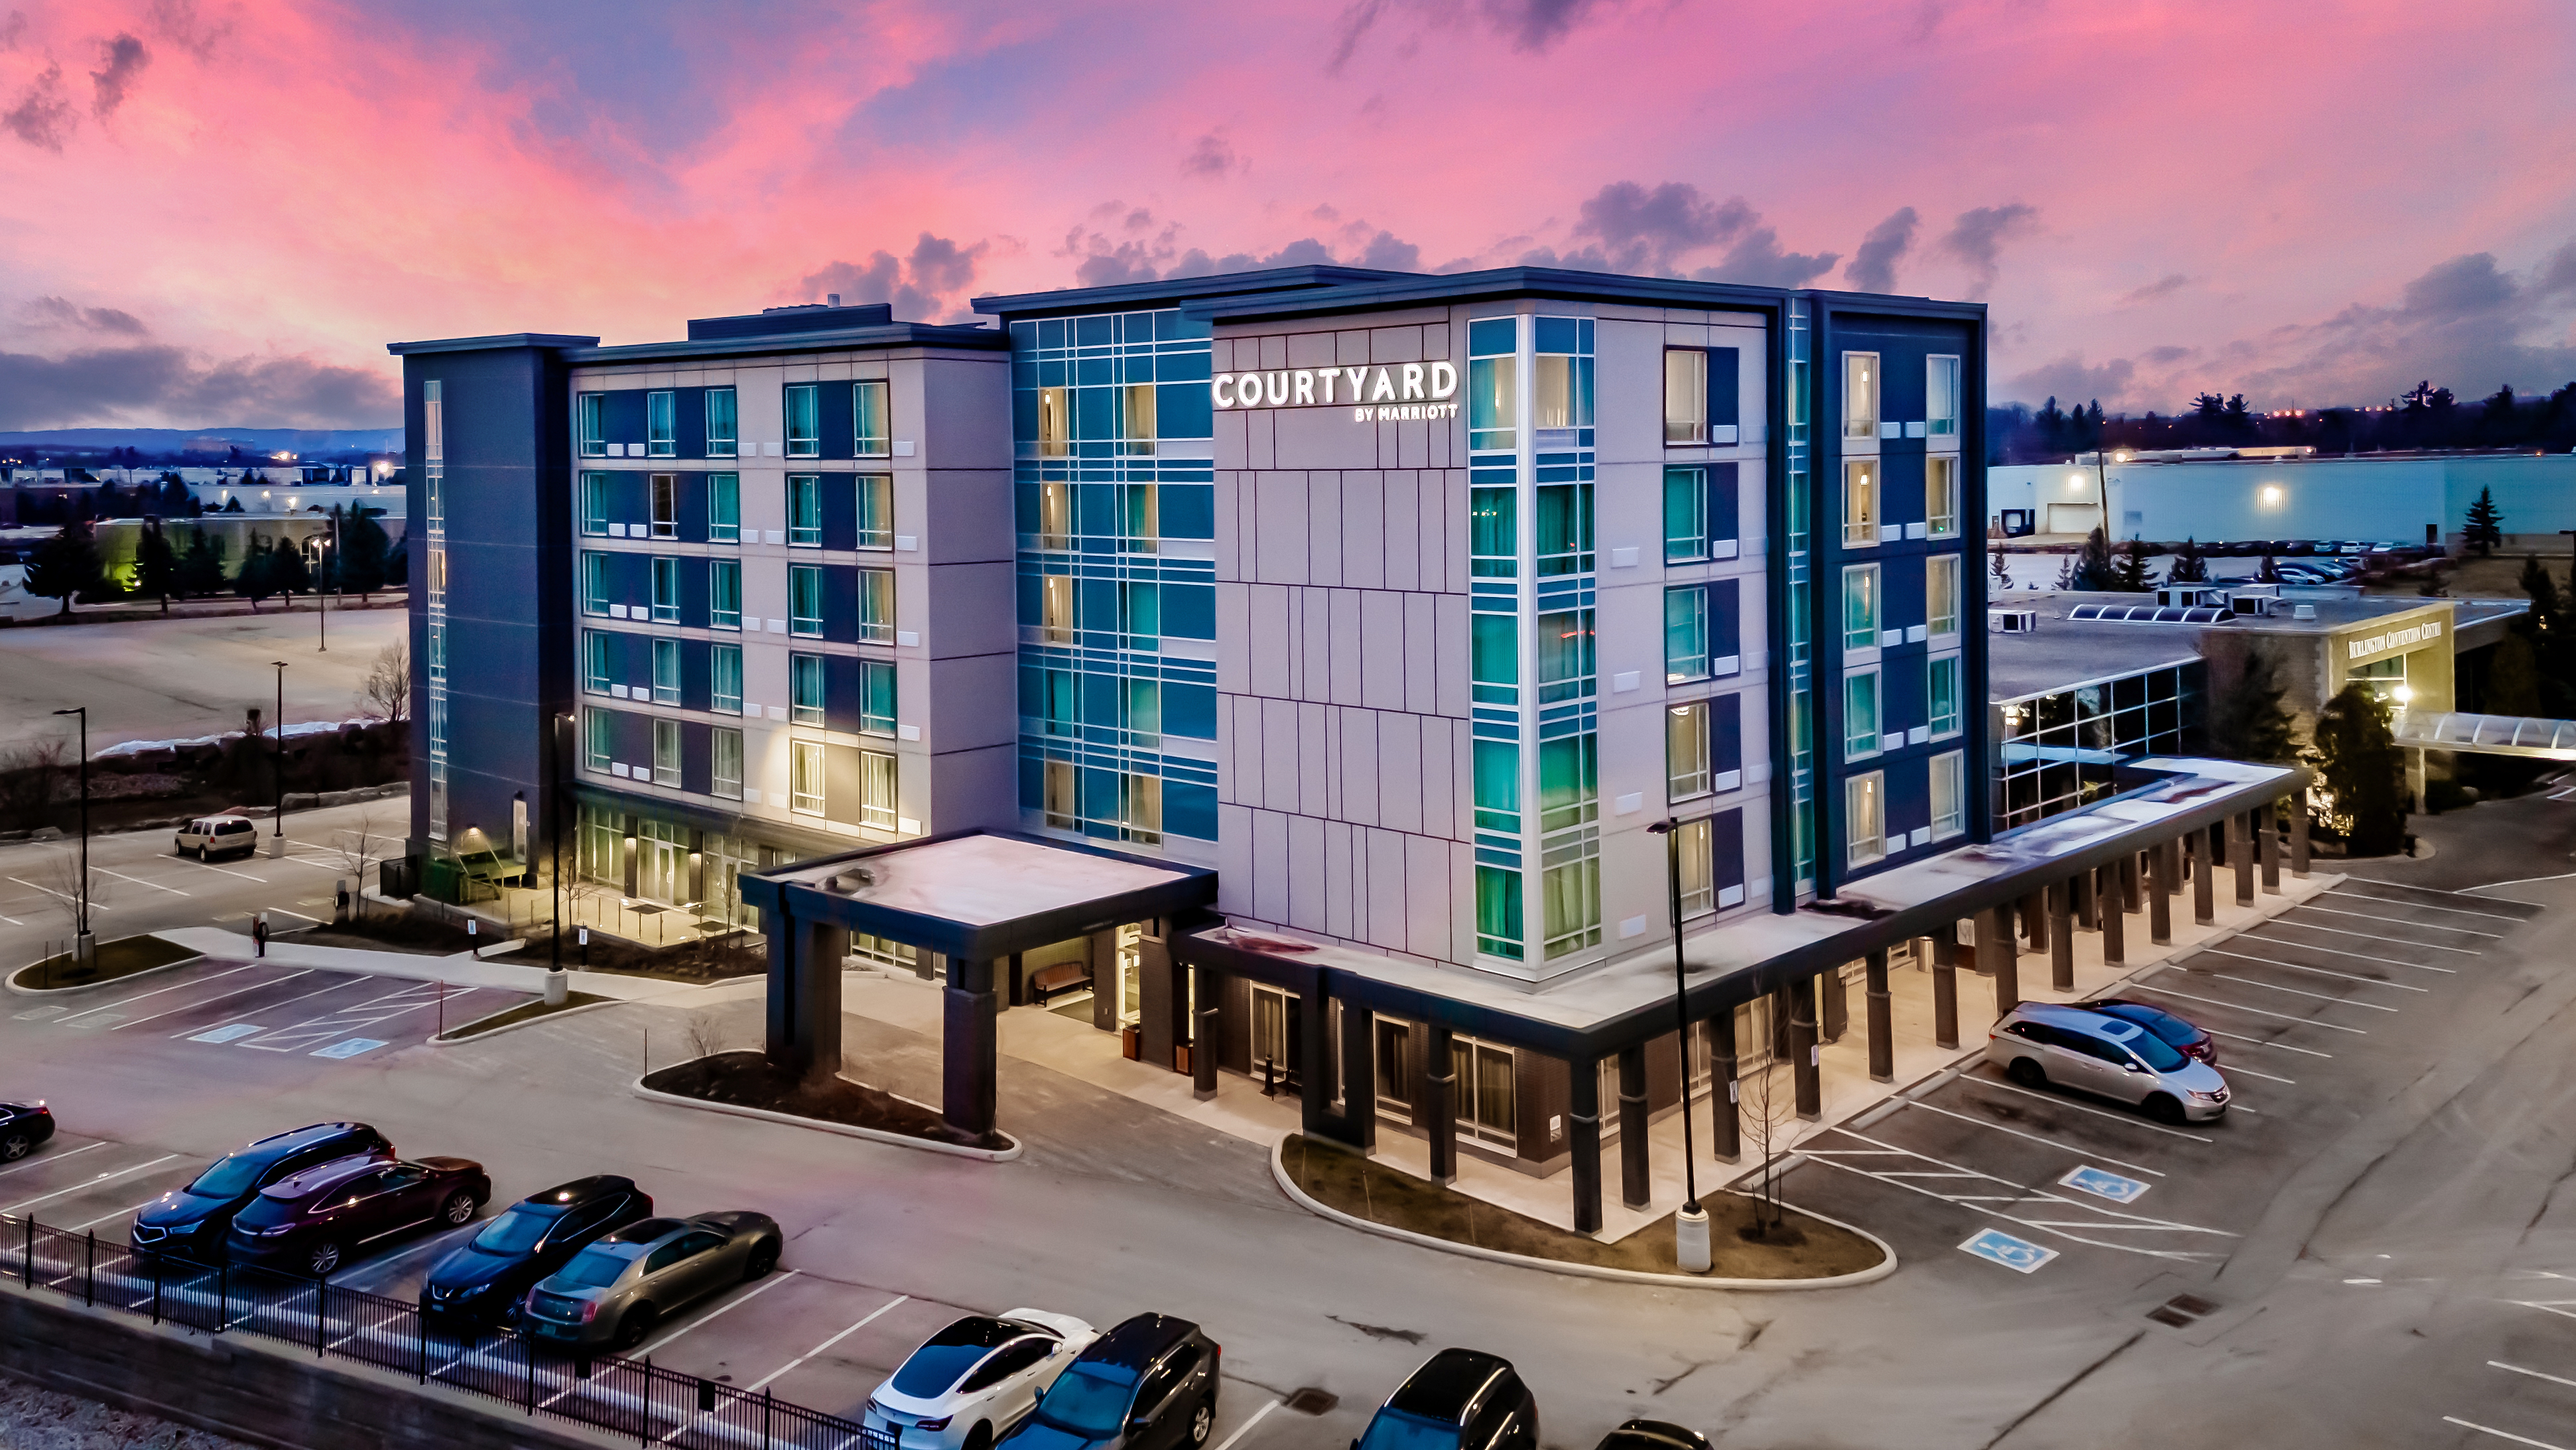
(192,1221)
(1148,1384)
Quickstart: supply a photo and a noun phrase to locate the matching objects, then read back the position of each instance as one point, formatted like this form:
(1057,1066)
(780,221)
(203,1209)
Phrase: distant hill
(160,441)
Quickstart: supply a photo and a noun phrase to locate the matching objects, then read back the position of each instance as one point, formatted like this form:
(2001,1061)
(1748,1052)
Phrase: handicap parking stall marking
(331,1026)
(2019,1255)
(39,1014)
(2102,1183)
(227,1033)
(343,1051)
(2014,1202)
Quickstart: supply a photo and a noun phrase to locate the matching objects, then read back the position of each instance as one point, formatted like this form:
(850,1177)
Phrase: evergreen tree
(65,565)
(2485,524)
(2250,722)
(2131,575)
(287,569)
(201,566)
(2513,679)
(2094,569)
(2363,769)
(256,579)
(156,568)
(2270,573)
(2190,565)
(2537,582)
(233,506)
(398,569)
(363,546)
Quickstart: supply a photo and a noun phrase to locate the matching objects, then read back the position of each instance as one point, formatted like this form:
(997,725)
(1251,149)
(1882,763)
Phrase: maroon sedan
(323,1217)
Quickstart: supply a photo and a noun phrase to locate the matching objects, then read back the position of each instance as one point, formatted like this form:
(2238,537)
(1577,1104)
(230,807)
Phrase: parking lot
(295,1014)
(2314,1011)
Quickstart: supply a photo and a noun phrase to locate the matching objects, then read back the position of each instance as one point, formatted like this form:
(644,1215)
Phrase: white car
(970,1383)
(207,837)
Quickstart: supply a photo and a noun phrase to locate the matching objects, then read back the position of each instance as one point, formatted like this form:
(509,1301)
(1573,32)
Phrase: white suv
(2037,1044)
(210,836)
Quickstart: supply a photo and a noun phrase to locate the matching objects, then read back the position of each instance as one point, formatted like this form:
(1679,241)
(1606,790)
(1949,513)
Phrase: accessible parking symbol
(2105,1185)
(344,1050)
(2019,1255)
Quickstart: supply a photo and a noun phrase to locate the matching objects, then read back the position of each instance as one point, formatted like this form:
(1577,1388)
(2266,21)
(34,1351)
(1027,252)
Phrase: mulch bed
(113,959)
(525,1011)
(747,1079)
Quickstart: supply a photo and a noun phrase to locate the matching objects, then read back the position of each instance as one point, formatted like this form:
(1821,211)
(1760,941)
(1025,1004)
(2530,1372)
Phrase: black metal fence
(606,1392)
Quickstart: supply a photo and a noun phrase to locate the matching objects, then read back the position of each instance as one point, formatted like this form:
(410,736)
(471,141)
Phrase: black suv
(1147,1384)
(484,1280)
(1461,1399)
(193,1220)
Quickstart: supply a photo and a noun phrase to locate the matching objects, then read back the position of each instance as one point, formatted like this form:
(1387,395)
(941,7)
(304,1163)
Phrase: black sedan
(22,1127)
(1653,1435)
(483,1281)
(2192,1039)
(321,1218)
(193,1220)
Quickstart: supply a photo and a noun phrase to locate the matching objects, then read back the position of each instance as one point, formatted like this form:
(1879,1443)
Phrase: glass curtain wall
(1798,600)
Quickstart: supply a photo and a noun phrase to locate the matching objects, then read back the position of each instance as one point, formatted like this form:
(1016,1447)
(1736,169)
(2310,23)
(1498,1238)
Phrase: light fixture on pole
(84,945)
(277,838)
(1690,1225)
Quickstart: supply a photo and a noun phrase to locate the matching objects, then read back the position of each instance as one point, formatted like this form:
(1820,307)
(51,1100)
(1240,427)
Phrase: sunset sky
(216,212)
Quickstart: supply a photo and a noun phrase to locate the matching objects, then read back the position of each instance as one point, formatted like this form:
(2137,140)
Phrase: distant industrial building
(2286,493)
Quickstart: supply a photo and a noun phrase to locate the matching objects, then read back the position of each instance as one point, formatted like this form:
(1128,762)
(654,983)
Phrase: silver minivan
(207,837)
(2038,1044)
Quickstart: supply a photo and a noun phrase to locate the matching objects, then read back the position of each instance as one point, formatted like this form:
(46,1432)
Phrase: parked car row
(2129,1051)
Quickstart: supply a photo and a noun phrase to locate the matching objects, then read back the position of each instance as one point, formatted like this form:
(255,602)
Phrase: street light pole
(1690,1226)
(82,946)
(277,838)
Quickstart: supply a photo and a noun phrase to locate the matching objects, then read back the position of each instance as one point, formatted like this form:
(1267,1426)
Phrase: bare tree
(31,780)
(706,1034)
(358,849)
(60,879)
(1769,1111)
(386,692)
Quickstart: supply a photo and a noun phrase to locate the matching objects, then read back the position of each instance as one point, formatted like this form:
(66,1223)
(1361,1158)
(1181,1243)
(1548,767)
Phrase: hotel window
(1055,434)
(1685,634)
(1860,714)
(666,505)
(724,594)
(876,511)
(724,761)
(1570,903)
(1941,393)
(437,650)
(724,508)
(666,752)
(1055,516)
(876,606)
(1497,771)
(1860,395)
(1138,809)
(594,504)
(876,789)
(1941,595)
(1561,374)
(1498,912)
(1055,606)
(666,591)
(438,727)
(594,582)
(1564,655)
(666,672)
(1140,521)
(724,679)
(1685,512)
(1860,501)
(1685,395)
(804,511)
(598,739)
(721,424)
(872,431)
(1865,818)
(804,421)
(1941,695)
(1564,519)
(1569,781)
(438,577)
(596,673)
(662,424)
(1698,867)
(1493,387)
(805,689)
(1860,606)
(1941,496)
(1686,751)
(1493,659)
(1055,702)
(876,697)
(594,425)
(438,800)
(1493,534)
(1949,795)
(434,494)
(805,601)
(1140,712)
(805,777)
(1136,417)
(1062,812)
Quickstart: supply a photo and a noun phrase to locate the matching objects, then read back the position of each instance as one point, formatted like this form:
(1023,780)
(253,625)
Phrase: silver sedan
(612,1293)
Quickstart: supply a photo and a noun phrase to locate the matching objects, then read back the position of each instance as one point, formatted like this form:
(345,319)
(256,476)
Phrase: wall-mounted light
(2271,495)
(2403,694)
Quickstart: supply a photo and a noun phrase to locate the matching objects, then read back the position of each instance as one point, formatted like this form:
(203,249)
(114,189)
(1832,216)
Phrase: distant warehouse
(2287,493)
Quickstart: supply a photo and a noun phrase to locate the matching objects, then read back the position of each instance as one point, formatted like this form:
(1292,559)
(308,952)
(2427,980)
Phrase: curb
(1885,1266)
(450,1039)
(873,1135)
(11,982)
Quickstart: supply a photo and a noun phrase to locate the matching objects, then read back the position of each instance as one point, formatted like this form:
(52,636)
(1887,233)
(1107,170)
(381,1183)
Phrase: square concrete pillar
(1636,1186)
(2267,847)
(2115,922)
(1805,1063)
(1440,1103)
(1206,1029)
(2204,884)
(970,1052)
(2162,867)
(2240,854)
(1882,1019)
(1726,1120)
(1995,945)
(1945,985)
(1583,1134)
(2061,938)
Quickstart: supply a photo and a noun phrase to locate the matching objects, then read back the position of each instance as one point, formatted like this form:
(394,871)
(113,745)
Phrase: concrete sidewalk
(462,969)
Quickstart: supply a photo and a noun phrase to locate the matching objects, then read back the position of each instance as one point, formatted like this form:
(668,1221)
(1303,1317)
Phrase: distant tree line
(190,563)
(2426,417)
(164,498)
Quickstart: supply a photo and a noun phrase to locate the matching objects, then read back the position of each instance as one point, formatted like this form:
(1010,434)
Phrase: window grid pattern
(433,447)
(2059,751)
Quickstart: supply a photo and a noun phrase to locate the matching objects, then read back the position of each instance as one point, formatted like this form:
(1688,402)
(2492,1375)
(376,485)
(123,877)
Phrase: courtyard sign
(1373,394)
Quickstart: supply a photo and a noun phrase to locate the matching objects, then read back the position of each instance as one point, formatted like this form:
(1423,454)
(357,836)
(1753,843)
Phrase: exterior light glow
(2271,493)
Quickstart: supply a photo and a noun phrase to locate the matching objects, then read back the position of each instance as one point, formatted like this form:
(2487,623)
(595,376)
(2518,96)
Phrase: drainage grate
(1312,1401)
(2182,1311)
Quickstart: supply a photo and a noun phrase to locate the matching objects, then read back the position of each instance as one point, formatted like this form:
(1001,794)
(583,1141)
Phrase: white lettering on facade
(2395,639)
(1412,381)
(1223,390)
(1313,387)
(1305,390)
(1383,389)
(1405,413)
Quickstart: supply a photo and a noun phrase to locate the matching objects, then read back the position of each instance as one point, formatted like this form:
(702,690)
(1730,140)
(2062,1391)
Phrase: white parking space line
(1246,1427)
(2257,1011)
(58,896)
(2299,992)
(826,1344)
(2535,1374)
(139,881)
(717,1313)
(2381,937)
(192,1031)
(2319,971)
(93,1183)
(2401,921)
(157,991)
(13,921)
(120,1213)
(52,1158)
(210,1001)
(2499,1434)
(2267,1077)
(2007,1087)
(227,870)
(341,1023)
(2340,952)
(2034,1137)
(2101,1219)
(2550,1306)
(2426,905)
(374,1267)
